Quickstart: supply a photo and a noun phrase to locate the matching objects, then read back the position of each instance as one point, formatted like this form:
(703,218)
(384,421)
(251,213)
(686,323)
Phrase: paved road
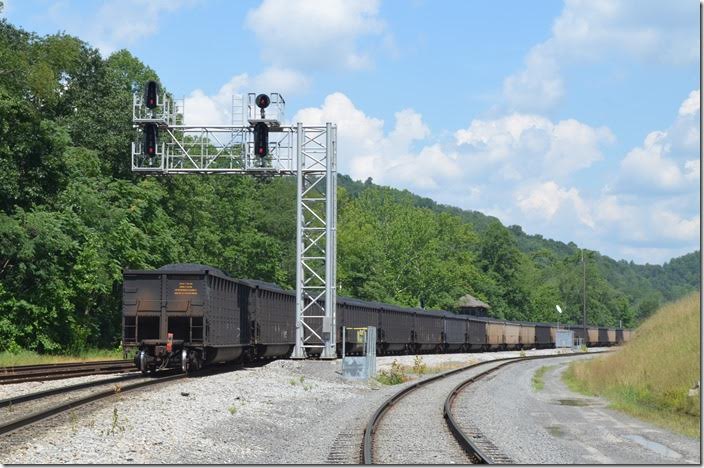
(555,425)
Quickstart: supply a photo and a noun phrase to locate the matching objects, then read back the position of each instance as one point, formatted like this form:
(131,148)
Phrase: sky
(578,120)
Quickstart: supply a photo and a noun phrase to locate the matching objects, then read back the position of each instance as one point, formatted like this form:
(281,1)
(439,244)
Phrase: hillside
(650,377)
(644,286)
(72,216)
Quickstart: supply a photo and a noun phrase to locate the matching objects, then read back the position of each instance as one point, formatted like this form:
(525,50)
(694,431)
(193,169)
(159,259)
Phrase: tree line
(72,216)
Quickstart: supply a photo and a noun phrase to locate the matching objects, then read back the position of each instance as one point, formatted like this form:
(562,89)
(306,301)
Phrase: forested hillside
(73,216)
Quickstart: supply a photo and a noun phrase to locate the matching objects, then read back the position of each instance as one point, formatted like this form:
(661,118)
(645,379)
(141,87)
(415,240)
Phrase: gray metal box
(564,338)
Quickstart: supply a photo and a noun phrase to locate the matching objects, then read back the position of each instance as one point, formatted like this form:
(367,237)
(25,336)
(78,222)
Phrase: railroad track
(408,429)
(103,389)
(21,374)
(74,396)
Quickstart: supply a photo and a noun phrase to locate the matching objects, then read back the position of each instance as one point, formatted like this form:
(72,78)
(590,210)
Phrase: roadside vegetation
(537,380)
(25,358)
(399,373)
(653,376)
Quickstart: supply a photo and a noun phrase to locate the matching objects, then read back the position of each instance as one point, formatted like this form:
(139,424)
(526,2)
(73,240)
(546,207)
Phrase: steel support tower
(307,152)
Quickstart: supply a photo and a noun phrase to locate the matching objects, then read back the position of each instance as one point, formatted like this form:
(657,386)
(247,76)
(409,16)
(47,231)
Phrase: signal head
(151,93)
(262,101)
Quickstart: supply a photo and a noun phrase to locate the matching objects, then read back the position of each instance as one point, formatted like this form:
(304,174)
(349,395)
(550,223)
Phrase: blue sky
(578,120)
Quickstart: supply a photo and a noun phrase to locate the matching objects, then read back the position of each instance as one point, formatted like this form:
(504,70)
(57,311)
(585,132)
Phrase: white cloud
(528,142)
(668,160)
(592,30)
(117,23)
(690,106)
(546,199)
(517,168)
(366,151)
(201,108)
(539,85)
(281,80)
(315,33)
(660,223)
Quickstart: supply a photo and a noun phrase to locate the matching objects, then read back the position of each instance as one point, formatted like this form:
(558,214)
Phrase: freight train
(189,315)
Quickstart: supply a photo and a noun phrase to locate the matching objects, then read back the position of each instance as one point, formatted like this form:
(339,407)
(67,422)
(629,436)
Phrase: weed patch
(393,376)
(650,377)
(537,380)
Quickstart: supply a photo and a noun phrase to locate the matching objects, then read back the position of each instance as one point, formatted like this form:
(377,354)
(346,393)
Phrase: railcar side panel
(543,337)
(611,338)
(396,326)
(512,335)
(455,329)
(619,335)
(428,328)
(527,336)
(274,321)
(602,336)
(476,334)
(495,335)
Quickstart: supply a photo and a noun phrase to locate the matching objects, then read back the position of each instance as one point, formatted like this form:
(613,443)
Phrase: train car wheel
(184,360)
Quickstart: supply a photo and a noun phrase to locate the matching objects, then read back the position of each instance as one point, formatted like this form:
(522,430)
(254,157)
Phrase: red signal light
(262,101)
(151,92)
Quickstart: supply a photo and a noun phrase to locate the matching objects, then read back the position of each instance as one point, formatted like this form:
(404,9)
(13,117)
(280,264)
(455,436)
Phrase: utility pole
(584,295)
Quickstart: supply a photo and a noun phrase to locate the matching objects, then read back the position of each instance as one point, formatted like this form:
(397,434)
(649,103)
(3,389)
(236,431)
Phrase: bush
(393,376)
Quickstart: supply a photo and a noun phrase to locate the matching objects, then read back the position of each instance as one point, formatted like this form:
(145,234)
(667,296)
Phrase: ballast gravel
(553,425)
(283,412)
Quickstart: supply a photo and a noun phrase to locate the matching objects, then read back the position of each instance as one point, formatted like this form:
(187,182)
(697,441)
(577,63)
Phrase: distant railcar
(476,334)
(190,315)
(512,333)
(427,331)
(527,335)
(494,335)
(455,333)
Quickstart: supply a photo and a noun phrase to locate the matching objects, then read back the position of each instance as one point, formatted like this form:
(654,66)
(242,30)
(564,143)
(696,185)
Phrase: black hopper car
(189,315)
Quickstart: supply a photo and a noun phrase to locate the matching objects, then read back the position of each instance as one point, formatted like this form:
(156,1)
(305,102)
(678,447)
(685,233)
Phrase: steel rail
(27,420)
(59,365)
(367,441)
(21,374)
(69,388)
(466,442)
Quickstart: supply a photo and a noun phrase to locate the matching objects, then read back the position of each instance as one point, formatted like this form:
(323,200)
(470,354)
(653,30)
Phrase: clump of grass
(419,366)
(25,358)
(232,409)
(537,380)
(117,423)
(650,376)
(393,376)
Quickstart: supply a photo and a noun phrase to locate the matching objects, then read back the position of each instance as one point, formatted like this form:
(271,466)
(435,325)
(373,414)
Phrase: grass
(399,373)
(24,358)
(537,380)
(650,377)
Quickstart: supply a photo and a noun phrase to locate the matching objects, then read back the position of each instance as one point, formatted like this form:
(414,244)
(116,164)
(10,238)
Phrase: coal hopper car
(189,315)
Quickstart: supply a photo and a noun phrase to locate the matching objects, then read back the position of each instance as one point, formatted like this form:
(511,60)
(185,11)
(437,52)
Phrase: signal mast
(259,144)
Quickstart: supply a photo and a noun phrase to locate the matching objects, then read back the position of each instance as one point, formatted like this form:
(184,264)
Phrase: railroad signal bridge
(258,142)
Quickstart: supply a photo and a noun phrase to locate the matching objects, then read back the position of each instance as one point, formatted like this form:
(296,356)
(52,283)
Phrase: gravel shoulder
(282,412)
(557,426)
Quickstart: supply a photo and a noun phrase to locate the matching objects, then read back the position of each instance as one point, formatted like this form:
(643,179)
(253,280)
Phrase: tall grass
(24,358)
(650,376)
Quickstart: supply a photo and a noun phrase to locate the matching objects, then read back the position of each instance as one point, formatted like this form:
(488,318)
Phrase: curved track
(401,428)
